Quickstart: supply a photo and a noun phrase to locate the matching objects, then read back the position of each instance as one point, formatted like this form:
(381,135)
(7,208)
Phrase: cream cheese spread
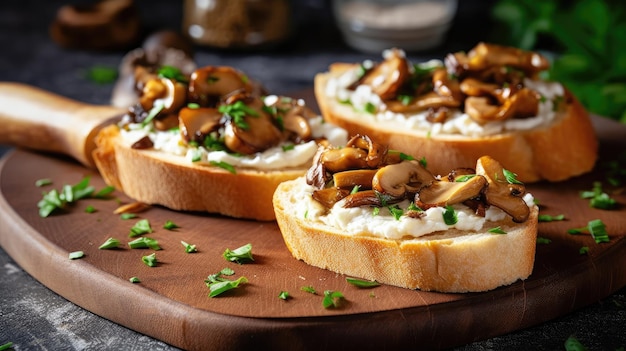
(458,122)
(362,220)
(281,156)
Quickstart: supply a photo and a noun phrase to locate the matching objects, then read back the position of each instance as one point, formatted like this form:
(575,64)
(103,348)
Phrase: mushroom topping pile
(487,83)
(218,108)
(364,173)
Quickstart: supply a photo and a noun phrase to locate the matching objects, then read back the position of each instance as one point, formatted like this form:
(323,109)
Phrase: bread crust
(449,261)
(159,178)
(566,148)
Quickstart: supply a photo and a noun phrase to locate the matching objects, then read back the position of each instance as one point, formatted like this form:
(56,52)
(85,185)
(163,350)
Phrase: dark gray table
(35,318)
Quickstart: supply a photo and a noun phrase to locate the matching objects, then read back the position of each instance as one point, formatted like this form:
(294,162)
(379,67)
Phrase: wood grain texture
(171,303)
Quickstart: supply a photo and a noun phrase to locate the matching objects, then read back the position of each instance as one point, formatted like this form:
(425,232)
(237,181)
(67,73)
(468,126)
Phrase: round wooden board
(171,303)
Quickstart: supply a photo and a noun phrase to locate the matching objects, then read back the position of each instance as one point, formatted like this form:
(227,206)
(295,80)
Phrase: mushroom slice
(398,179)
(358,177)
(249,128)
(196,123)
(209,84)
(316,175)
(329,196)
(500,192)
(369,198)
(444,193)
(444,85)
(343,159)
(170,94)
(387,77)
(423,102)
(524,103)
(293,115)
(485,55)
(375,152)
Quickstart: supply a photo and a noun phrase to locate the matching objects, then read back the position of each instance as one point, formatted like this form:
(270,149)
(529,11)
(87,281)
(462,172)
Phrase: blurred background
(586,39)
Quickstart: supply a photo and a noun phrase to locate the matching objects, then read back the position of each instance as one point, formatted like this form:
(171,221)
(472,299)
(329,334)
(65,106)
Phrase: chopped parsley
(169,225)
(496,230)
(134,280)
(361,283)
(76,255)
(101,74)
(395,211)
(449,216)
(332,299)
(598,198)
(465,178)
(238,112)
(150,260)
(309,289)
(284,295)
(188,247)
(239,255)
(59,199)
(550,218)
(43,182)
(157,107)
(128,216)
(542,240)
(224,165)
(144,242)
(583,250)
(90,209)
(171,72)
(596,228)
(510,177)
(370,108)
(110,243)
(217,284)
(141,227)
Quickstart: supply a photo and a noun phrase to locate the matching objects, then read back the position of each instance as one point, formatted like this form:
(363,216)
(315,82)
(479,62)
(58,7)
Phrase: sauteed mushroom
(169,93)
(398,179)
(370,198)
(196,123)
(443,193)
(358,177)
(524,103)
(387,77)
(209,84)
(294,116)
(249,128)
(375,152)
(500,192)
(485,55)
(329,196)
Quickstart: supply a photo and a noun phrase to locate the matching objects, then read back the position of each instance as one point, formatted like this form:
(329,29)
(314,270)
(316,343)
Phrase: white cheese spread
(362,220)
(282,156)
(458,122)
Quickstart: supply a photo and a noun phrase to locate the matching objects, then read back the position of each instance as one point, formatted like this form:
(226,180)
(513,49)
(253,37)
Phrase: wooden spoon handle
(36,119)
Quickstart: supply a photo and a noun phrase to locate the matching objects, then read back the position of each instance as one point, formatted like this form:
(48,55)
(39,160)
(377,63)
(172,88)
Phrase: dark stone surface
(35,318)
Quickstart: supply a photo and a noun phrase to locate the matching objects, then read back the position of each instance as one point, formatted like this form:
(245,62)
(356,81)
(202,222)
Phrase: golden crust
(566,148)
(158,178)
(450,261)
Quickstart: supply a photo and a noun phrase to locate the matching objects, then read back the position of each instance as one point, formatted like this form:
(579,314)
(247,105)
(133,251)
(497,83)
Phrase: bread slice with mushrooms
(217,142)
(489,101)
(390,220)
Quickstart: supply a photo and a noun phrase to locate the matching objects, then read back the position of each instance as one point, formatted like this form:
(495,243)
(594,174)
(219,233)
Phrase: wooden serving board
(171,302)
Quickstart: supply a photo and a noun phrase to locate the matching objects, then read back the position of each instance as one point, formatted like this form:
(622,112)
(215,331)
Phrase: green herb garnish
(6,346)
(134,280)
(309,289)
(188,247)
(144,242)
(237,112)
(154,111)
(465,178)
(90,209)
(288,147)
(43,182)
(584,250)
(542,240)
(239,255)
(150,260)
(370,108)
(510,177)
(217,284)
(101,74)
(110,243)
(332,299)
(56,200)
(171,72)
(572,344)
(141,227)
(169,225)
(128,216)
(360,283)
(550,218)
(596,228)
(224,165)
(496,230)
(598,198)
(449,216)
(76,254)
(395,211)
(284,295)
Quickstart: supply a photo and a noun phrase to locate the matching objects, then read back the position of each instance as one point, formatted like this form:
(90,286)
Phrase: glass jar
(237,23)
(376,25)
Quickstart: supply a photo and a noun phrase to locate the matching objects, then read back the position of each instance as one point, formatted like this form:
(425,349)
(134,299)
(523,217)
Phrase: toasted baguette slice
(444,261)
(564,148)
(184,185)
